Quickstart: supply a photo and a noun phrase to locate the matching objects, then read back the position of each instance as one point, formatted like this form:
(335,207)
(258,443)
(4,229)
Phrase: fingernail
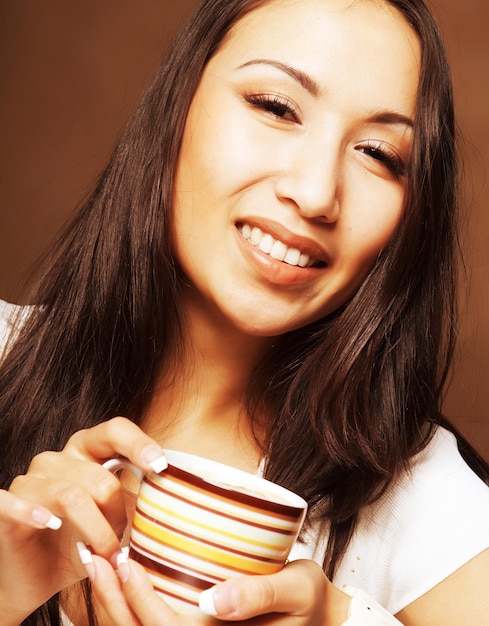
(219,600)
(54,523)
(46,519)
(158,465)
(206,602)
(154,458)
(86,559)
(122,567)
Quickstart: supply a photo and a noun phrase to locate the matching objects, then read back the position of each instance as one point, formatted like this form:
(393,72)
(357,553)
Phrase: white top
(11,317)
(430,523)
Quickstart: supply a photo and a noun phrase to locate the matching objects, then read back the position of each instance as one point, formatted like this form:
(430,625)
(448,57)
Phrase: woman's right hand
(37,561)
(20,521)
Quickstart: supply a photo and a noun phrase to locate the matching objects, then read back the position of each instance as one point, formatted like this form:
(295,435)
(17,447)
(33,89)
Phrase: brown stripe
(206,542)
(232,568)
(177,496)
(140,550)
(244,498)
(196,584)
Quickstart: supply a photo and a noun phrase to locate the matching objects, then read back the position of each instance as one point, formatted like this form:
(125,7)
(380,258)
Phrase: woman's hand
(298,595)
(20,521)
(36,561)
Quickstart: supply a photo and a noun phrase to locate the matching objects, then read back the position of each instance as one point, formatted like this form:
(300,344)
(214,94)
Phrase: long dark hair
(349,399)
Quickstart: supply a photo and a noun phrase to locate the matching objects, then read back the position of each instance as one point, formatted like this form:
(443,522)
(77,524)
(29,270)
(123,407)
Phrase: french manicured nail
(206,602)
(86,559)
(219,600)
(158,465)
(46,519)
(122,566)
(155,459)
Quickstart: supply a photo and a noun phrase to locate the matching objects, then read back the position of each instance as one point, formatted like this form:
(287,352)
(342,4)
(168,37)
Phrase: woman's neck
(199,408)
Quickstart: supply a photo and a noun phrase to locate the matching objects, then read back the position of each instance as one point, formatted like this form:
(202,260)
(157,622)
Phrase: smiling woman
(305,144)
(263,275)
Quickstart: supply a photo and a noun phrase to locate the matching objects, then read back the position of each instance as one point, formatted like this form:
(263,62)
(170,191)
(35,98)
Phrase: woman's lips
(274,241)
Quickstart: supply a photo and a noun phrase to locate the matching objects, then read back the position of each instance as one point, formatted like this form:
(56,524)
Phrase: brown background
(70,72)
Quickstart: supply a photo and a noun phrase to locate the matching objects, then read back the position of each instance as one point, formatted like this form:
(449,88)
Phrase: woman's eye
(277,106)
(386,157)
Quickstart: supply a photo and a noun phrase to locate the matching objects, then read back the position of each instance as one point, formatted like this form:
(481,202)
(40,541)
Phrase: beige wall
(70,73)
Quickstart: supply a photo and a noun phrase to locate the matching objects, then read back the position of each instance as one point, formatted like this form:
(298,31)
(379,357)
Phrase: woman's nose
(311,180)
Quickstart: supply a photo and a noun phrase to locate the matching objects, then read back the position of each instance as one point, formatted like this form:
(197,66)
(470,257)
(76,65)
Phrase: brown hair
(349,398)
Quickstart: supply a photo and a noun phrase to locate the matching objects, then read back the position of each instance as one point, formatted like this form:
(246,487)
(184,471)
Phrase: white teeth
(276,249)
(266,243)
(246,231)
(255,237)
(293,256)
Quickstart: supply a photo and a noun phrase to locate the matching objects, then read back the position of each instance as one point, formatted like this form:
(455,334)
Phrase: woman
(267,261)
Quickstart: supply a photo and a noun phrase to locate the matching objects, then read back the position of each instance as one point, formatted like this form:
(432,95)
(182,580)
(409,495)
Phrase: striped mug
(199,522)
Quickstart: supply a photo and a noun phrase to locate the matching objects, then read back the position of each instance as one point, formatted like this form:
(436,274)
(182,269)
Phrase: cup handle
(116,465)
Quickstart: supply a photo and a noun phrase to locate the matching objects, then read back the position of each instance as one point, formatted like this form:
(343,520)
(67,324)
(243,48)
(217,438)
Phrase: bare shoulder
(462,598)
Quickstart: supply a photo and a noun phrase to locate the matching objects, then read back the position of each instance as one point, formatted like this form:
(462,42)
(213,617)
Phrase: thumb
(296,590)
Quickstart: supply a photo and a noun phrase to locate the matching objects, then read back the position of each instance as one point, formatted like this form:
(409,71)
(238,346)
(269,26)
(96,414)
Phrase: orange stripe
(205,527)
(138,548)
(207,550)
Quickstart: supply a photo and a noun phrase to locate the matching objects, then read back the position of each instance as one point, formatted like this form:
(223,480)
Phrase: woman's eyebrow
(310,85)
(391,117)
(301,77)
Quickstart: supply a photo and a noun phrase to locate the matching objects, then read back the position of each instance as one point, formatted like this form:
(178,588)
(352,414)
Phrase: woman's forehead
(368,40)
(280,23)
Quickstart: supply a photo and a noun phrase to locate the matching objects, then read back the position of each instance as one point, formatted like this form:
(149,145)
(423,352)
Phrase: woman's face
(292,168)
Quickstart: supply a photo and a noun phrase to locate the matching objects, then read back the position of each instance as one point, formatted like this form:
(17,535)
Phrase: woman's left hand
(298,595)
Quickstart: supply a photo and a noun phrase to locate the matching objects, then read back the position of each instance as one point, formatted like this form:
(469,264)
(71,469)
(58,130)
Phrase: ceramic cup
(199,522)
